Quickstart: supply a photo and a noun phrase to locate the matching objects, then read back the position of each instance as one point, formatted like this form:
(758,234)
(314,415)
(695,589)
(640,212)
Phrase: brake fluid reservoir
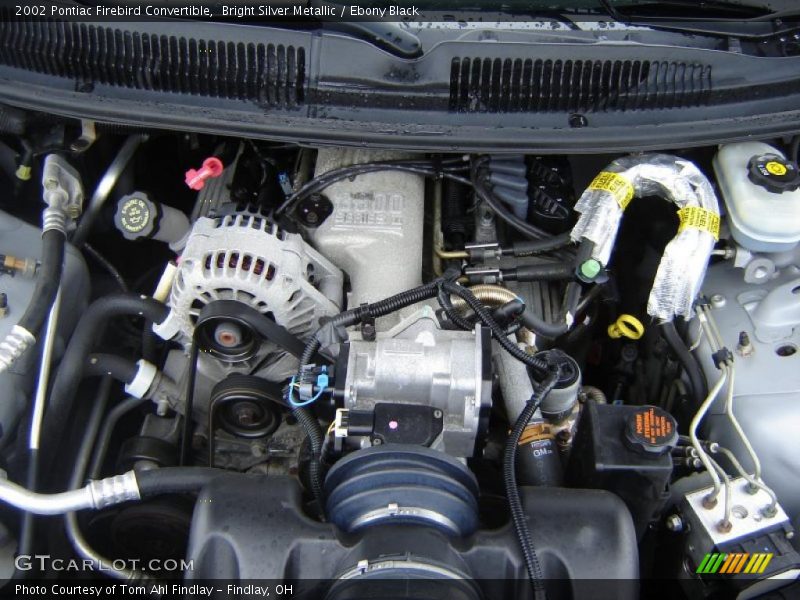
(761,189)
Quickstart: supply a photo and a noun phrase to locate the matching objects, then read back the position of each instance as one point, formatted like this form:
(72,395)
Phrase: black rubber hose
(522,226)
(108,266)
(88,332)
(508,312)
(150,341)
(316,440)
(555,271)
(444,301)
(377,309)
(454,227)
(90,434)
(697,382)
(119,368)
(188,403)
(104,438)
(533,247)
(518,518)
(399,301)
(539,326)
(345,319)
(537,364)
(179,480)
(12,120)
(501,211)
(794,150)
(48,278)
(348,172)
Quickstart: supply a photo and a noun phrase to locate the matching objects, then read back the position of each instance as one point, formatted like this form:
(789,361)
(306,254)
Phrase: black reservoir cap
(651,430)
(774,173)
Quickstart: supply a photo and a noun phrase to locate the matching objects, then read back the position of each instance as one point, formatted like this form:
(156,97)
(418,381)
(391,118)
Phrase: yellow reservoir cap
(626,326)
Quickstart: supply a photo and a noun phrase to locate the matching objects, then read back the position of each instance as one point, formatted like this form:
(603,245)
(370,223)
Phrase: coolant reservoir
(761,189)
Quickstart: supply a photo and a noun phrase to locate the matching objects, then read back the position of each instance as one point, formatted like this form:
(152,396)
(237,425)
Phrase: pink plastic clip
(196,178)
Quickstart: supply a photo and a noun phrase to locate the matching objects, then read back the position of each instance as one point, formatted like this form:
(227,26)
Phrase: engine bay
(483,376)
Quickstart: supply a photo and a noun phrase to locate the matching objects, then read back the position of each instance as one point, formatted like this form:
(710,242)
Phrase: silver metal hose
(42,385)
(491,295)
(97,494)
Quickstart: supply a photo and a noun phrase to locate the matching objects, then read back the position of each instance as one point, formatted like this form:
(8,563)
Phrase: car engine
(361,372)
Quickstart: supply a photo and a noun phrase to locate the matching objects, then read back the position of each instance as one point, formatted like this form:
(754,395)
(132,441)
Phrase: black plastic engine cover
(256,530)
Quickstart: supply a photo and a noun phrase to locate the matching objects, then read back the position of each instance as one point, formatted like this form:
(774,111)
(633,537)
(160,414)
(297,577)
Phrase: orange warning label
(654,428)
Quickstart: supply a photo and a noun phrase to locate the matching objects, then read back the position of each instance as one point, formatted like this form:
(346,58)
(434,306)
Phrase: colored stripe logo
(734,563)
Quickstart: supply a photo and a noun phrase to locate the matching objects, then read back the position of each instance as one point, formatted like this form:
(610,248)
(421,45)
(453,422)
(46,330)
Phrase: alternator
(247,258)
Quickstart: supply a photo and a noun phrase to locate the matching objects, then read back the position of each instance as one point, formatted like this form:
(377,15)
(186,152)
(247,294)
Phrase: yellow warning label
(697,217)
(776,168)
(616,185)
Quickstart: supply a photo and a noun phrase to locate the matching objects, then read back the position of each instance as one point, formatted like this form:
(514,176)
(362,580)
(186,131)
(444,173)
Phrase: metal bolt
(162,407)
(564,438)
(258,450)
(244,414)
(377,442)
(751,488)
(769,511)
(368,332)
(745,346)
(724,526)
(199,441)
(228,335)
(577,120)
(674,523)
(629,352)
(717,300)
(437,414)
(709,502)
(790,535)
